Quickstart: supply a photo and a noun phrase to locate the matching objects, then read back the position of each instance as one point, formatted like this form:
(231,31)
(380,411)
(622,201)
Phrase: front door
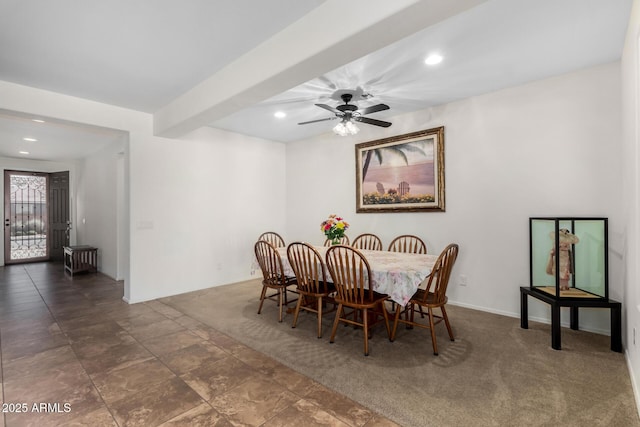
(26,217)
(59,224)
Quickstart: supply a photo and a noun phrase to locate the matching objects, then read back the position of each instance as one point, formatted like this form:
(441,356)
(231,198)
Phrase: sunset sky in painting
(393,170)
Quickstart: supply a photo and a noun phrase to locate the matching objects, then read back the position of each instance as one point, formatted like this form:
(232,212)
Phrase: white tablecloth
(393,273)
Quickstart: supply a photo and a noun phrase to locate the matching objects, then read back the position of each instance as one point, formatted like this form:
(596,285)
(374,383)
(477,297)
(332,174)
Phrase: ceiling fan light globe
(340,129)
(352,129)
(346,127)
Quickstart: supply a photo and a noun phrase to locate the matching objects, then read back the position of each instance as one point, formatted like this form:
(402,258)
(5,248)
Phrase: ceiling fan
(349,113)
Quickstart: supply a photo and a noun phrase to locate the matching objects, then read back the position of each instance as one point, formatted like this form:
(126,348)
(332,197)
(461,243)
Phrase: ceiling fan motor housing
(346,97)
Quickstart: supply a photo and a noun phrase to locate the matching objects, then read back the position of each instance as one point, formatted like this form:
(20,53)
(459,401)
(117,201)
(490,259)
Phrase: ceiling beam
(335,33)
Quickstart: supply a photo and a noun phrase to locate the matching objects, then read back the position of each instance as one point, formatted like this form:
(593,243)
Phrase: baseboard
(532,318)
(634,384)
(485,309)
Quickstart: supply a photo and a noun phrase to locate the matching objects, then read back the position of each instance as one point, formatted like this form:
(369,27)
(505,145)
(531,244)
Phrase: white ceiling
(56,140)
(143,55)
(495,45)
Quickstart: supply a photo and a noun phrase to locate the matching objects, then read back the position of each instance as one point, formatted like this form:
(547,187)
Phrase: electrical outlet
(463,280)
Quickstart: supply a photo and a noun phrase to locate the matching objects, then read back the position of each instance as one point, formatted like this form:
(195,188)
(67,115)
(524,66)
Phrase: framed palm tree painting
(401,173)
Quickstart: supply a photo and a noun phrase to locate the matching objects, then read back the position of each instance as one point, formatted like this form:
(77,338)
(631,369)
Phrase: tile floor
(74,354)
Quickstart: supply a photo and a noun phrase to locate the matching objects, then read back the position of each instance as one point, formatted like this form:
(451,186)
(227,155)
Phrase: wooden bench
(80,258)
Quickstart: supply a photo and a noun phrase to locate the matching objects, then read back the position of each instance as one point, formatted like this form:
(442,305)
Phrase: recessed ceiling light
(280,114)
(37,120)
(433,59)
(23,152)
(30,139)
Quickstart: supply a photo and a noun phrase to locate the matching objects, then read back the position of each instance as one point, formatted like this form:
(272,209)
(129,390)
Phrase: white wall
(7,163)
(631,190)
(548,148)
(200,204)
(97,195)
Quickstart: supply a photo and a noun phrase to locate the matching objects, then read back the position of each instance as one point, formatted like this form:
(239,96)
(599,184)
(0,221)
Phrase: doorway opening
(36,210)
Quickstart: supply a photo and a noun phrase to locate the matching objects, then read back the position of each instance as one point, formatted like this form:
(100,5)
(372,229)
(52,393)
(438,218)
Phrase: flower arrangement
(334,228)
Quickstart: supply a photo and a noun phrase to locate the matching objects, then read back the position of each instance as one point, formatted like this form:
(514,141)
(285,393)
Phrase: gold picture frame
(403,173)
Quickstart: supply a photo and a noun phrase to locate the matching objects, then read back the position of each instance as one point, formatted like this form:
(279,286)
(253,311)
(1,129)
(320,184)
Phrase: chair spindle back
(408,243)
(270,263)
(440,274)
(308,266)
(274,238)
(367,241)
(350,272)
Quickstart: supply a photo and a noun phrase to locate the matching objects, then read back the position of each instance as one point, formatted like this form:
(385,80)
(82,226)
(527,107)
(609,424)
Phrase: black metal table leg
(555,327)
(573,311)
(524,310)
(616,327)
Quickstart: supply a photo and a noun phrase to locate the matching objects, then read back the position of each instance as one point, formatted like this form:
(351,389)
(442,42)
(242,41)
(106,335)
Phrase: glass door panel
(26,217)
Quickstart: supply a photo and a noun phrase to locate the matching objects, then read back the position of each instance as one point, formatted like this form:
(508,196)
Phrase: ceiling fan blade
(374,109)
(375,122)
(319,120)
(329,108)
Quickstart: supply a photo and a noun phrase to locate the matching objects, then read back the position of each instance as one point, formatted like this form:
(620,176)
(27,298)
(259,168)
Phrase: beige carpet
(494,374)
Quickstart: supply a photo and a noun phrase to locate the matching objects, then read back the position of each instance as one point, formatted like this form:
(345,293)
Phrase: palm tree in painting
(394,151)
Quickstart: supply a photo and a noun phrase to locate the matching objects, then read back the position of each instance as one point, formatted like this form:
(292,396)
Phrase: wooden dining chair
(272,275)
(351,275)
(313,289)
(344,240)
(408,243)
(434,296)
(274,238)
(367,241)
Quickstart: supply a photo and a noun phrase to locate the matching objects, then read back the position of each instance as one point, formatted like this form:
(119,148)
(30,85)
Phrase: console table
(573,304)
(80,258)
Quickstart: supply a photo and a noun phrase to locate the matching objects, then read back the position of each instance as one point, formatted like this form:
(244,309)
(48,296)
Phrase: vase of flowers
(334,228)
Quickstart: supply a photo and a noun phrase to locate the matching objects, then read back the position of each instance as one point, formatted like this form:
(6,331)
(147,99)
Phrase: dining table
(396,274)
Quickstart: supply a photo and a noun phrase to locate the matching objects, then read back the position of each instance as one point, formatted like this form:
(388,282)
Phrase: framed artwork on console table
(401,173)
